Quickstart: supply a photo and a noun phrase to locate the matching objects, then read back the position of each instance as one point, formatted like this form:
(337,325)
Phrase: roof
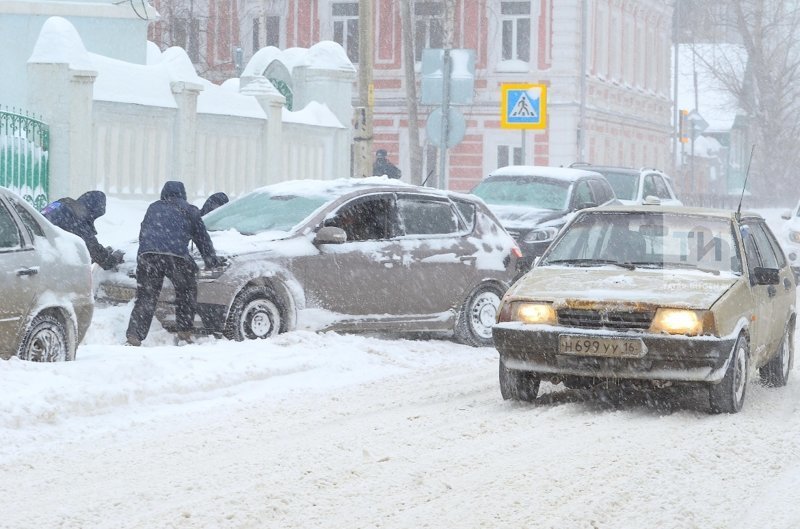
(679,210)
(342,186)
(559,173)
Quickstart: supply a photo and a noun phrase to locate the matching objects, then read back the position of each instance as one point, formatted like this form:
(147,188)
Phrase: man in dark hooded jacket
(213,202)
(78,216)
(168,226)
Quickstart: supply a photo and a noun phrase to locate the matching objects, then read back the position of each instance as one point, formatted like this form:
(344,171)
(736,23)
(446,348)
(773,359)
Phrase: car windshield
(654,240)
(625,185)
(262,211)
(541,193)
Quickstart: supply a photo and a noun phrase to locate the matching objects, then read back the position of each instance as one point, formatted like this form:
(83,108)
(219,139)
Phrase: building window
(508,155)
(273,28)
(256,31)
(194,41)
(516,22)
(345,27)
(428,27)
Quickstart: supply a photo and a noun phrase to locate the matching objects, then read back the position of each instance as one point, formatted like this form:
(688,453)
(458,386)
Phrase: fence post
(185,132)
(271,102)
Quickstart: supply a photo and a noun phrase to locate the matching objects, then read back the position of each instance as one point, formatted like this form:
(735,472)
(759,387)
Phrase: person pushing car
(168,226)
(77,216)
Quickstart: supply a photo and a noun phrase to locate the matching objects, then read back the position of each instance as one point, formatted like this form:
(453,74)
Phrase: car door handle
(468,259)
(28,271)
(390,262)
(771,291)
(787,283)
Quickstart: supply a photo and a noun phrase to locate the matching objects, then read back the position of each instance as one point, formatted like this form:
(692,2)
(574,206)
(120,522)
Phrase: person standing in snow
(77,217)
(213,202)
(383,166)
(168,226)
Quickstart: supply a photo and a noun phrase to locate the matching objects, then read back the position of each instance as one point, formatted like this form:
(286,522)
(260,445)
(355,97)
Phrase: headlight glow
(533,313)
(682,321)
(541,235)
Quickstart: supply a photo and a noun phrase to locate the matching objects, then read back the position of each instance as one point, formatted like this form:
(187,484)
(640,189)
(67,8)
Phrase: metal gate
(24,160)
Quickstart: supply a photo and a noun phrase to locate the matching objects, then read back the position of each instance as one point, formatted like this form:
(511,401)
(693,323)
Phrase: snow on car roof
(341,186)
(679,210)
(561,173)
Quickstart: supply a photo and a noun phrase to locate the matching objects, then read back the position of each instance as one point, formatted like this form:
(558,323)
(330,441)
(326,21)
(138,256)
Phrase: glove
(117,256)
(216,261)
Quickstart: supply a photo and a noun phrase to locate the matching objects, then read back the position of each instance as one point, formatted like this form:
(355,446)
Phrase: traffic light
(684,126)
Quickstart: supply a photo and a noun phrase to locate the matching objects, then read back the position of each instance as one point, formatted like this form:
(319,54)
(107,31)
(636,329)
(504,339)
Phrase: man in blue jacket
(168,226)
(78,216)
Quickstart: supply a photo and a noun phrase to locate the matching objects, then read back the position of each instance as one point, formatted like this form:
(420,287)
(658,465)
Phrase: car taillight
(515,251)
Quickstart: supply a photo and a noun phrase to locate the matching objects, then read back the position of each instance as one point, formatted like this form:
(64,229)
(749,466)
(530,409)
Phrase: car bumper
(666,357)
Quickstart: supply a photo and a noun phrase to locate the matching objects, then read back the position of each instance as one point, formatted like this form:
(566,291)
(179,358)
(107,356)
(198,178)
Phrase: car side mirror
(330,235)
(766,276)
(786,215)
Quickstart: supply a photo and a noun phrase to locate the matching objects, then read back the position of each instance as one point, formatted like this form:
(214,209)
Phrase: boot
(185,337)
(133,341)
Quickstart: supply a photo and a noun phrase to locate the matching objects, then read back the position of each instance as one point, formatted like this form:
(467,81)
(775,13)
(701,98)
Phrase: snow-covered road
(360,432)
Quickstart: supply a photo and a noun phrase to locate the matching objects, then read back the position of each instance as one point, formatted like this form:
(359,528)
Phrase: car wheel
(776,372)
(728,395)
(255,314)
(518,385)
(46,341)
(477,316)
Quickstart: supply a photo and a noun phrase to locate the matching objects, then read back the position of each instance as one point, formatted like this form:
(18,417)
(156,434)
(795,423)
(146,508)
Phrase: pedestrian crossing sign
(523,106)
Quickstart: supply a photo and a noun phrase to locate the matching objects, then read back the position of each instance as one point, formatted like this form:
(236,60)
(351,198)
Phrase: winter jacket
(78,216)
(213,202)
(383,166)
(171,222)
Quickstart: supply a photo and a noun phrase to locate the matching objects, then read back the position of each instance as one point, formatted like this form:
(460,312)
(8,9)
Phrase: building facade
(619,113)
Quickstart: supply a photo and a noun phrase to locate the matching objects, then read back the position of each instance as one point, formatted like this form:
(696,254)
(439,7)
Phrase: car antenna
(744,185)
(426,178)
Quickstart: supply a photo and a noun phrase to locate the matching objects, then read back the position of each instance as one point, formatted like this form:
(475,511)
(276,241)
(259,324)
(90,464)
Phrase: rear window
(625,185)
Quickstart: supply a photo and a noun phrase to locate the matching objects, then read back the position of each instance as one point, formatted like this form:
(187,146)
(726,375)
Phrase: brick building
(620,114)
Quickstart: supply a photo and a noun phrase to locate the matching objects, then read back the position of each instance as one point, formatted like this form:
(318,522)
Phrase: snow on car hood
(678,288)
(523,217)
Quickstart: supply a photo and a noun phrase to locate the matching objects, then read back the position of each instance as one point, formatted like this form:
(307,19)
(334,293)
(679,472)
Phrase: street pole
(363,160)
(443,184)
(584,62)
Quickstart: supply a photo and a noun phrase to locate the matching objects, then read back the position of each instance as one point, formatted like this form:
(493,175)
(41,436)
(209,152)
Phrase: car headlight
(540,235)
(683,321)
(794,236)
(527,312)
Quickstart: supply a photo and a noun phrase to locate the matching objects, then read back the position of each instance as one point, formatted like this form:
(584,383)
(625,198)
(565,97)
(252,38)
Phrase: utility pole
(363,139)
(414,147)
(584,66)
(449,31)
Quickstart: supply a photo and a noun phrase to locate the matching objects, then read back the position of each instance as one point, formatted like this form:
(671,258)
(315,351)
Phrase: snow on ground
(326,430)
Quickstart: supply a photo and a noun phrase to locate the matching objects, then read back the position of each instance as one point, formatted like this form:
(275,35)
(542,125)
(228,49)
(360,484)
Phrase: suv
(534,202)
(47,285)
(635,186)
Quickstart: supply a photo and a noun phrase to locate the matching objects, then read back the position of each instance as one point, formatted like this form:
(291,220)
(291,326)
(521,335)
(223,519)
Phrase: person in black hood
(78,216)
(213,202)
(168,226)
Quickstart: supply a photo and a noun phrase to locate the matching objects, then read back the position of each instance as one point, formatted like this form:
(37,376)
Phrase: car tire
(477,316)
(46,340)
(728,395)
(256,314)
(518,385)
(776,372)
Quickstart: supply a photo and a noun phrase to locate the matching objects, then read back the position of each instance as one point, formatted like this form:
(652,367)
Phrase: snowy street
(335,431)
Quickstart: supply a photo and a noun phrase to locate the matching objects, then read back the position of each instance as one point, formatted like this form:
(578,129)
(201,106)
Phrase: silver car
(368,254)
(47,285)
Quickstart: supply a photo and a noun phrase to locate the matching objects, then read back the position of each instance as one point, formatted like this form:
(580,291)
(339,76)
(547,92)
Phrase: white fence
(129,142)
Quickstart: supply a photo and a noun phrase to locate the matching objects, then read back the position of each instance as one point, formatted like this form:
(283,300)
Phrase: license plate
(593,346)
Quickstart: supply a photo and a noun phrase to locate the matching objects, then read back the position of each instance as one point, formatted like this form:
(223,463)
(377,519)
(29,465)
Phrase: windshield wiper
(593,262)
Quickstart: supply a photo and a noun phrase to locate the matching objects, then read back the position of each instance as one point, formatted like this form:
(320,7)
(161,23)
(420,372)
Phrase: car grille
(601,319)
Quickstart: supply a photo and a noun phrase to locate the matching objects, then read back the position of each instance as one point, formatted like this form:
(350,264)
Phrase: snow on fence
(126,129)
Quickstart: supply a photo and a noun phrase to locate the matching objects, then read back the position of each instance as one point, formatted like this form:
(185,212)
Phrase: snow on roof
(562,173)
(714,103)
(324,55)
(331,188)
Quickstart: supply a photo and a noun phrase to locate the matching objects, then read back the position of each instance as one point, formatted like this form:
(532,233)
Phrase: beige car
(652,295)
(367,254)
(47,301)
